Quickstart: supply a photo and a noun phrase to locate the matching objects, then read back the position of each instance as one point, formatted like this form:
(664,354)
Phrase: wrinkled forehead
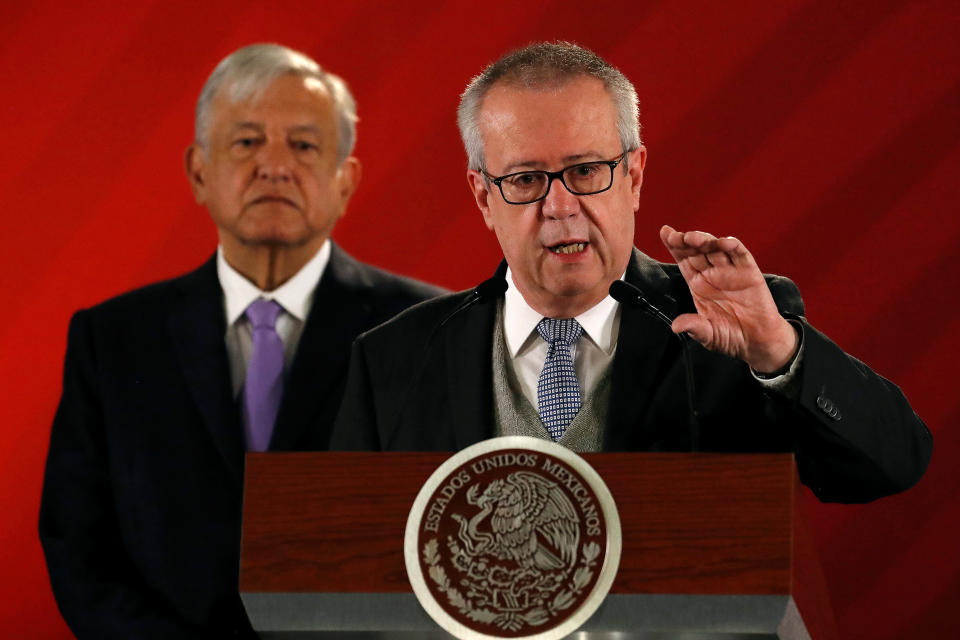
(252,89)
(289,101)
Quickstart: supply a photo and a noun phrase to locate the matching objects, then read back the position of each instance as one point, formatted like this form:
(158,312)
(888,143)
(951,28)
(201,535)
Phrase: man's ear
(194,161)
(348,178)
(478,186)
(637,162)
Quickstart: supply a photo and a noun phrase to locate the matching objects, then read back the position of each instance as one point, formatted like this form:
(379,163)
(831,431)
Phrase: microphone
(629,295)
(485,291)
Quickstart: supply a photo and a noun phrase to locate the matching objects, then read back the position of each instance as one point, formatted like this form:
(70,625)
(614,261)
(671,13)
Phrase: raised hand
(736,314)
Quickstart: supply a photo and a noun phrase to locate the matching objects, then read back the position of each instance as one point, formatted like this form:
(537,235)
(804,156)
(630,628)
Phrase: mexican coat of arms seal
(513,537)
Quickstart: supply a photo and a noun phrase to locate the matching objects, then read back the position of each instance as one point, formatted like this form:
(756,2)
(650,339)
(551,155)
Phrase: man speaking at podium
(167,386)
(556,164)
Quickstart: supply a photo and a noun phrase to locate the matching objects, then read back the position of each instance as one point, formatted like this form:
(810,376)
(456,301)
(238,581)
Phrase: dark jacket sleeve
(855,435)
(95,585)
(861,439)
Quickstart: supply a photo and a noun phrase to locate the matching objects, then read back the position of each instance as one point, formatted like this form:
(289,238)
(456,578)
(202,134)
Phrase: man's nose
(274,162)
(559,202)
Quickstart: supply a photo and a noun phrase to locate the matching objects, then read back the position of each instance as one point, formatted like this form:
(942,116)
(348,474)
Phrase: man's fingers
(672,239)
(730,244)
(719,252)
(687,271)
(684,239)
(688,241)
(700,240)
(698,261)
(719,259)
(739,255)
(694,326)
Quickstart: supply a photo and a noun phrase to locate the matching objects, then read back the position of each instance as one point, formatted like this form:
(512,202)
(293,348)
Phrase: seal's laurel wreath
(522,568)
(507,619)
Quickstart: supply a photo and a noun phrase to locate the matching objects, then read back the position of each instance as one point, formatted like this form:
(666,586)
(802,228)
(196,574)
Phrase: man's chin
(576,281)
(273,240)
(282,242)
(274,234)
(569,297)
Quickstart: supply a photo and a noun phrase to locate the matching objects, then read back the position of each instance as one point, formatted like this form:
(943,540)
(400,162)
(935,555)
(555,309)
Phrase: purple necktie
(263,386)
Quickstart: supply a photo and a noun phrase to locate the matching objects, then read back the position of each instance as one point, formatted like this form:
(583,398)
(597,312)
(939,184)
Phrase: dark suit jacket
(417,385)
(140,515)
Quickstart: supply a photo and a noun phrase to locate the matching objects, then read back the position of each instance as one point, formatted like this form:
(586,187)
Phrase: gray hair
(250,70)
(547,64)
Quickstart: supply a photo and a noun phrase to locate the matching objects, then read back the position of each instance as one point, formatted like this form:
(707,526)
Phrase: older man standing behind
(555,165)
(166,387)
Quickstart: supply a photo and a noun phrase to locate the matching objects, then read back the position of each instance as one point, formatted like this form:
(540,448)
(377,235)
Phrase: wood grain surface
(691,523)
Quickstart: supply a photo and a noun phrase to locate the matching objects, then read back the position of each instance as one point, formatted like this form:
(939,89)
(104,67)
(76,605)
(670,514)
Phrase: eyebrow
(246,124)
(258,126)
(306,128)
(533,165)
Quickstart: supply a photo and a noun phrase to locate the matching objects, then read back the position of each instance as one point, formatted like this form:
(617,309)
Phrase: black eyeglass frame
(556,175)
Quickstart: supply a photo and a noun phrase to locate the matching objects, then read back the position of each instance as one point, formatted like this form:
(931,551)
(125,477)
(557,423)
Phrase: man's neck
(550,306)
(268,266)
(600,321)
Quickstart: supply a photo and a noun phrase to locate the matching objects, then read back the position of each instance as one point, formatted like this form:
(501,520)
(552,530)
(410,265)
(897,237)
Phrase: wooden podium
(714,546)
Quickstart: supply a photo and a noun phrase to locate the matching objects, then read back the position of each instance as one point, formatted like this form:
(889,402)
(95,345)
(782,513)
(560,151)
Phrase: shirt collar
(520,320)
(295,295)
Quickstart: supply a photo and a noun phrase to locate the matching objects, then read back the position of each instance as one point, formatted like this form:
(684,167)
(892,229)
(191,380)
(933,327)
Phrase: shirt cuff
(781,380)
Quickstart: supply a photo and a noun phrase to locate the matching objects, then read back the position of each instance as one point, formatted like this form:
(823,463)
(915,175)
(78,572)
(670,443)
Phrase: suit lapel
(646,348)
(467,345)
(340,305)
(196,324)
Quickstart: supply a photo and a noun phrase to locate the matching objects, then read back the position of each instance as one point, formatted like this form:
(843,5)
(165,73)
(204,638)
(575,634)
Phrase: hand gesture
(736,314)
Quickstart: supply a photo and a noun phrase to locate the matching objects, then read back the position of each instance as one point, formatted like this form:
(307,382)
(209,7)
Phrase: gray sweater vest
(515,416)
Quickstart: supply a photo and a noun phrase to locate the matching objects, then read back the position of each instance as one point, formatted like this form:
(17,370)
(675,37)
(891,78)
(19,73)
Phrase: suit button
(828,407)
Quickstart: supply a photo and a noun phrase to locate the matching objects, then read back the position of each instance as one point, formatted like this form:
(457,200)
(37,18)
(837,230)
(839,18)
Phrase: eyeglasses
(583,179)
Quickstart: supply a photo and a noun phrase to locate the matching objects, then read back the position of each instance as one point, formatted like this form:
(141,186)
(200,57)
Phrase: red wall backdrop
(824,134)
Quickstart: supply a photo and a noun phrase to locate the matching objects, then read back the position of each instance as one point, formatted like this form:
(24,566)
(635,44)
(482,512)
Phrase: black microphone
(485,291)
(629,295)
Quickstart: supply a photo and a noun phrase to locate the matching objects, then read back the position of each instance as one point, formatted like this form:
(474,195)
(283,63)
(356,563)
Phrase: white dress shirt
(295,297)
(592,353)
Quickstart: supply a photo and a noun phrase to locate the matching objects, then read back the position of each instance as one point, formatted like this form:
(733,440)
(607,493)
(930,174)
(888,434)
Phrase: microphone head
(490,289)
(485,292)
(624,293)
(627,294)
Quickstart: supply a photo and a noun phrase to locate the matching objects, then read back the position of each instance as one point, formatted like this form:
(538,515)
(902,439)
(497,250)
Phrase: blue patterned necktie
(263,386)
(558,392)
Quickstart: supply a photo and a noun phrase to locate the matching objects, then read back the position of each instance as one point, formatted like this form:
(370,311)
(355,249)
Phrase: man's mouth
(569,248)
(281,199)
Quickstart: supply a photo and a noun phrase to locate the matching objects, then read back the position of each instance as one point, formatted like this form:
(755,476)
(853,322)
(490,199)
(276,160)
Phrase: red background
(824,134)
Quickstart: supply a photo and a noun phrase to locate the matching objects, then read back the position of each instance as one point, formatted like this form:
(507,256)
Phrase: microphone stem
(626,293)
(693,419)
